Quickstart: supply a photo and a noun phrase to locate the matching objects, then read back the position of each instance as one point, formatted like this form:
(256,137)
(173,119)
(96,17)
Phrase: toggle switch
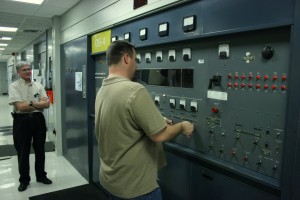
(186,54)
(194,106)
(223,51)
(148,57)
(157,100)
(172,103)
(159,56)
(172,55)
(182,104)
(138,58)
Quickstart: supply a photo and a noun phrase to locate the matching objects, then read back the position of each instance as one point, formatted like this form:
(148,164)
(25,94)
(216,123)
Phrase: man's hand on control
(187,128)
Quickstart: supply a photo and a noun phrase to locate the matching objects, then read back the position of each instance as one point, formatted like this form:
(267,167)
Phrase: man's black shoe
(22,187)
(44,180)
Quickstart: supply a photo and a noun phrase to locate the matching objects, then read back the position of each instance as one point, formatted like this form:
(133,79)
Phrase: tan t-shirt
(125,115)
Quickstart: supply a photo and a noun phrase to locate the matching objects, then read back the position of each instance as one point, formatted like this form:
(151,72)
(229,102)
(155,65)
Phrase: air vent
(31,31)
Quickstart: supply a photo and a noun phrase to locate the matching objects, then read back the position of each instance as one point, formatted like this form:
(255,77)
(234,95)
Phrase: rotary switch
(267,52)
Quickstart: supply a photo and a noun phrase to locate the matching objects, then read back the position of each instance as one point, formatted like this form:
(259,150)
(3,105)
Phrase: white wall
(91,16)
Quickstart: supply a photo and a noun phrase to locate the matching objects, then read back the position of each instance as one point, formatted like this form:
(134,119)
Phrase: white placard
(217,95)
(78,81)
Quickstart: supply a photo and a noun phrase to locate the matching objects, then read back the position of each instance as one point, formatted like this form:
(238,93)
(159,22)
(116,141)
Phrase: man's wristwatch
(30,103)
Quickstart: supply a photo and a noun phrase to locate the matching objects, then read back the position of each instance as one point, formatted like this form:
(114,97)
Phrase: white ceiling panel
(30,19)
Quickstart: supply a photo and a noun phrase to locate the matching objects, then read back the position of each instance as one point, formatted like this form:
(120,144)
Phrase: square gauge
(163,29)
(127,37)
(189,23)
(115,38)
(143,34)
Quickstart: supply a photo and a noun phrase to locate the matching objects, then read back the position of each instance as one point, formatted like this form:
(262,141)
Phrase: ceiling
(31,20)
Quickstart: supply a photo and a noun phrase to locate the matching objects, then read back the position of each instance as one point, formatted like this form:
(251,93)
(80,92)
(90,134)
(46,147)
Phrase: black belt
(24,114)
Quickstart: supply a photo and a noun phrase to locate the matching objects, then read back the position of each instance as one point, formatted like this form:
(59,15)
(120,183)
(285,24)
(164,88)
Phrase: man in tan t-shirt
(130,130)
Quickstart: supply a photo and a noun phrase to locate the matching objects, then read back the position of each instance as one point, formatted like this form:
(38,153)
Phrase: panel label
(101,41)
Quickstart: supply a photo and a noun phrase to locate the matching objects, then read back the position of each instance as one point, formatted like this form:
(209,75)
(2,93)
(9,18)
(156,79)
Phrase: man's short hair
(20,64)
(116,50)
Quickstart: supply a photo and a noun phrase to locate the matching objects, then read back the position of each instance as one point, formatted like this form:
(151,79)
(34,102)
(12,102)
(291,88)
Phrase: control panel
(233,88)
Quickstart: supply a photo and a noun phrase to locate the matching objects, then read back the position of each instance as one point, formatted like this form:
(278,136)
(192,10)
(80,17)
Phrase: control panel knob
(283,77)
(214,110)
(257,77)
(257,86)
(267,52)
(250,85)
(243,85)
(274,87)
(259,163)
(266,77)
(283,87)
(266,86)
(274,77)
(243,76)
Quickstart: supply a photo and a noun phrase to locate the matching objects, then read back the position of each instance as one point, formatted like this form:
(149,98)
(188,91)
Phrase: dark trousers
(27,129)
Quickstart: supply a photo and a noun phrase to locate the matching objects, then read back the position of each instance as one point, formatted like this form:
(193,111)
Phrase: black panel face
(182,78)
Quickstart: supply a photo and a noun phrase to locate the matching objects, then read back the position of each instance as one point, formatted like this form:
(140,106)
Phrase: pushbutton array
(259,82)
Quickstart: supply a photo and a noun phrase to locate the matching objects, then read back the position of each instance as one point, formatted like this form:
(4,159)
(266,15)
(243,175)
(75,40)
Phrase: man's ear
(126,58)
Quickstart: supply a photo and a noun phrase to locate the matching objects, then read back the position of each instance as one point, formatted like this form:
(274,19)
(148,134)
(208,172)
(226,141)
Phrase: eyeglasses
(26,70)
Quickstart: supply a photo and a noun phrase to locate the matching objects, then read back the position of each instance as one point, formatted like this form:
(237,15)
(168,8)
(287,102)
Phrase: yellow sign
(101,41)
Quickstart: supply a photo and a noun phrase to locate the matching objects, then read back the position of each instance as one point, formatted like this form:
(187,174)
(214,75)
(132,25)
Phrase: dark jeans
(29,128)
(154,195)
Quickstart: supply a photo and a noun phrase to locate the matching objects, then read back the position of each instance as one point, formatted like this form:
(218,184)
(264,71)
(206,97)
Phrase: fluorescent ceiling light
(1,49)
(8,29)
(31,1)
(3,45)
(5,38)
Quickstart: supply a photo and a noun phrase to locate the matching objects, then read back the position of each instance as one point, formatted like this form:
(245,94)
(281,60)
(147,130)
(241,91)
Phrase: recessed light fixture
(30,1)
(5,38)
(8,29)
(3,45)
(1,49)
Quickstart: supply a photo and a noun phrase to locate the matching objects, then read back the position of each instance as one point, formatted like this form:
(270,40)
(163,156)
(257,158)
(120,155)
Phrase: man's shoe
(22,187)
(44,180)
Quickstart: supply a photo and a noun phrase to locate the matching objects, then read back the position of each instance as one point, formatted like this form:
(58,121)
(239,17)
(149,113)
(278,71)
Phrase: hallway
(59,170)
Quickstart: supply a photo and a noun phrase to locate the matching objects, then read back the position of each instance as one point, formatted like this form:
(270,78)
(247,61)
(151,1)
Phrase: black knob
(267,52)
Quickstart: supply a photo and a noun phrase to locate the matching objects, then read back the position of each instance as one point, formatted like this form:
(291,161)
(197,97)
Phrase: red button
(283,77)
(283,87)
(274,87)
(274,78)
(250,76)
(257,77)
(214,110)
(266,77)
(243,85)
(257,86)
(229,76)
(229,84)
(250,85)
(236,84)
(243,76)
(236,76)
(266,86)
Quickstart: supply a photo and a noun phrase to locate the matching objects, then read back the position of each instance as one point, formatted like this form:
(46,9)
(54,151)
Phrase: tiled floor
(59,170)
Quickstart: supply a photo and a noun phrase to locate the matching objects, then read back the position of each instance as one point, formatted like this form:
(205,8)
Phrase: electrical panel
(237,101)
